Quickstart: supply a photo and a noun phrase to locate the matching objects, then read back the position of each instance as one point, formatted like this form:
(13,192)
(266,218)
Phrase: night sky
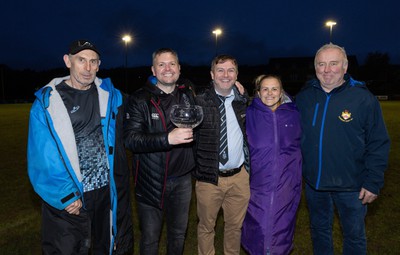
(36,34)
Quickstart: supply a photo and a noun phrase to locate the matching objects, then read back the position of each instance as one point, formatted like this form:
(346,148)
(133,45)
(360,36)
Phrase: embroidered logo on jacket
(155,116)
(346,116)
(75,109)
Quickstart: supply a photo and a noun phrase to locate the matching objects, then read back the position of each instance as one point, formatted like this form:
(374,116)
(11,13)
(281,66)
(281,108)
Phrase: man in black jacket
(222,158)
(163,155)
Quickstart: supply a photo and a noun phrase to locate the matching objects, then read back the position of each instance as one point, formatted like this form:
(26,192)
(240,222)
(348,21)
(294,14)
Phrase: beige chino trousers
(232,194)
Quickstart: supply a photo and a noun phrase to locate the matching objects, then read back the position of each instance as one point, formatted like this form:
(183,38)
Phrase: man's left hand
(366,196)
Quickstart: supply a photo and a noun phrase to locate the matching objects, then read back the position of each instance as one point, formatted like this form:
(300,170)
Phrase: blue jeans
(178,193)
(351,214)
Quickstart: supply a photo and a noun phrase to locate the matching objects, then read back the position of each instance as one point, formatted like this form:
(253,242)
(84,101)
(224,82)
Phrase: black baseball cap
(81,45)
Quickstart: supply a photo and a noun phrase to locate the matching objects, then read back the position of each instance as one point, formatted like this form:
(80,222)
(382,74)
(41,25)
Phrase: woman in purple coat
(273,130)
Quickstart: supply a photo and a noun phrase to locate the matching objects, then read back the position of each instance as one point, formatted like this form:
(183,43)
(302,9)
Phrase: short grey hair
(332,46)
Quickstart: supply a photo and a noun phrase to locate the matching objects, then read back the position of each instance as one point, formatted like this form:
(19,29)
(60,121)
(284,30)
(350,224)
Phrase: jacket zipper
(321,136)
(162,116)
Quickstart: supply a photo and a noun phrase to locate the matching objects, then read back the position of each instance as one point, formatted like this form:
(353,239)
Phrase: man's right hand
(74,207)
(180,135)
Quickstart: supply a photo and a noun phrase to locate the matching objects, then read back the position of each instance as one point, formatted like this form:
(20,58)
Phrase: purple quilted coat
(275,178)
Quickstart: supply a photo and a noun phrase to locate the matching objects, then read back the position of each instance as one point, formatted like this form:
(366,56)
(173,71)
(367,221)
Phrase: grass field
(20,206)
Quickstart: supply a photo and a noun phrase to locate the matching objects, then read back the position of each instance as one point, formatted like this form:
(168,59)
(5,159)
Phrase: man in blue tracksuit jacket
(77,162)
(345,147)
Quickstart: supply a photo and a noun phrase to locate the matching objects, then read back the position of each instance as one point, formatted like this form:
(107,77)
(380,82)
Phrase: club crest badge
(345,116)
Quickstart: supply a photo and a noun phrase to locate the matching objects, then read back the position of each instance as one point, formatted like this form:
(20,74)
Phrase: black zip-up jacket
(146,135)
(345,144)
(207,140)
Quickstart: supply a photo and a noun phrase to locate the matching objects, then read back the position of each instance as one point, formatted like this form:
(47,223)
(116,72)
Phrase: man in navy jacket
(345,147)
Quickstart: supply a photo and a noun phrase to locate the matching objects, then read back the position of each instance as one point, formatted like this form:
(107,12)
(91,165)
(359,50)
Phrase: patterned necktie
(223,139)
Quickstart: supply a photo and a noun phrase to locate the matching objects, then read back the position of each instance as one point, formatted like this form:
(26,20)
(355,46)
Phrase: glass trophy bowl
(186,116)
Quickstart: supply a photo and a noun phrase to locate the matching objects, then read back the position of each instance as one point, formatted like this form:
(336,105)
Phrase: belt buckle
(226,171)
(229,172)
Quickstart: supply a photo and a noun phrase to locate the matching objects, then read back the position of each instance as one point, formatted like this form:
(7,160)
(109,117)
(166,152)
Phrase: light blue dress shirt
(235,136)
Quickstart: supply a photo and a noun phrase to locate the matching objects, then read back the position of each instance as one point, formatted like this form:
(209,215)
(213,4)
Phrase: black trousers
(64,233)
